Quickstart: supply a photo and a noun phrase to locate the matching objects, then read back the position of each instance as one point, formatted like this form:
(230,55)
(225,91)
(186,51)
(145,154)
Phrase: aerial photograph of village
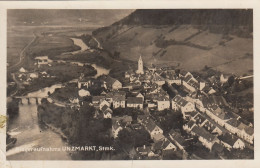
(130,84)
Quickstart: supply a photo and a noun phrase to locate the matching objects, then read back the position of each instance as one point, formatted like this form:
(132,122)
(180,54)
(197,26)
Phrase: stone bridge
(29,100)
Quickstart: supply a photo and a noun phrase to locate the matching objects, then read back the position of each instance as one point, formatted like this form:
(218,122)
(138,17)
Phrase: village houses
(135,102)
(42,60)
(118,123)
(154,130)
(180,103)
(111,83)
(231,142)
(163,103)
(178,139)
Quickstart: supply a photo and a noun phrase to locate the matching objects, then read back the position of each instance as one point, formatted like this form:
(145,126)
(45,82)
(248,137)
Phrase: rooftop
(229,139)
(41,57)
(134,100)
(199,131)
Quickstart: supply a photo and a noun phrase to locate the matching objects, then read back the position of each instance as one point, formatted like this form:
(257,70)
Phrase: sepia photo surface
(142,84)
(145,84)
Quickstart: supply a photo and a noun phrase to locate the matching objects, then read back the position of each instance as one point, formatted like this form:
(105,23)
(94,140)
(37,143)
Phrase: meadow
(185,46)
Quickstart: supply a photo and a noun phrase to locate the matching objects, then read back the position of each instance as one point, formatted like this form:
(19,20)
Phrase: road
(22,54)
(99,46)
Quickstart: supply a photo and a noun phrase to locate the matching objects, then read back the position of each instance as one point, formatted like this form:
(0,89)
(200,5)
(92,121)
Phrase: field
(52,45)
(189,48)
(17,39)
(53,40)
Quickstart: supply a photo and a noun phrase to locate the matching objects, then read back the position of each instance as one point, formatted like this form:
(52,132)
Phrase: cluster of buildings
(143,89)
(207,115)
(42,60)
(27,77)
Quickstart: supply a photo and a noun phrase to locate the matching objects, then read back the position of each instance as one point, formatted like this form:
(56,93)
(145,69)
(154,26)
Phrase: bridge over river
(29,99)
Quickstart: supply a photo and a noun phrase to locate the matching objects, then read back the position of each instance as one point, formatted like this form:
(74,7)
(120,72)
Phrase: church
(140,69)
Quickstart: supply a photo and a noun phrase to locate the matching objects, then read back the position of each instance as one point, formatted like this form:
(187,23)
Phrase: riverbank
(78,126)
(31,134)
(56,130)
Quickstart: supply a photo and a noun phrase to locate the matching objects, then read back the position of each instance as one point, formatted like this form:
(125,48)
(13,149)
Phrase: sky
(69,17)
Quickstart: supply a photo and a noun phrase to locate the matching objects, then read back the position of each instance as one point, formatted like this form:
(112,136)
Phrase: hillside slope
(189,39)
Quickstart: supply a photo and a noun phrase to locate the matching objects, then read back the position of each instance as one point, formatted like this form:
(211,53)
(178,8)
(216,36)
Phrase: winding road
(99,45)
(22,53)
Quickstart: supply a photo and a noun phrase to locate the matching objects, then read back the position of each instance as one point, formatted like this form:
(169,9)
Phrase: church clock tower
(140,69)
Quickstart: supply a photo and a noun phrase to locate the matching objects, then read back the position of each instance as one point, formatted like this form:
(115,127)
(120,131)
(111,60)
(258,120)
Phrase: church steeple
(140,69)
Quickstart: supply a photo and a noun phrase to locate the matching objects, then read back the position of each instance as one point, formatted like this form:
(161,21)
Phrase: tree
(107,122)
(141,137)
(86,111)
(13,107)
(125,137)
(231,80)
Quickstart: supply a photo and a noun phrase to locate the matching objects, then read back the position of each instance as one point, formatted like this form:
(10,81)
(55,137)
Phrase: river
(32,134)
(79,43)
(83,46)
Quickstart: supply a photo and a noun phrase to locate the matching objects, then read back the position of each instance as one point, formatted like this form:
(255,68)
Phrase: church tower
(140,69)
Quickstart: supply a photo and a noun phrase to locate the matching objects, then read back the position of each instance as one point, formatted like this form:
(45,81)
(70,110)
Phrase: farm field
(53,40)
(223,54)
(52,45)
(17,39)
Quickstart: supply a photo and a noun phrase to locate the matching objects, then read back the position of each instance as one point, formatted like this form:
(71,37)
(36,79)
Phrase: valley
(191,45)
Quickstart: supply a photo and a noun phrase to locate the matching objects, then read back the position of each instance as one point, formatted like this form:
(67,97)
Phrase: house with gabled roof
(218,115)
(103,103)
(230,141)
(194,114)
(167,145)
(85,82)
(190,83)
(206,138)
(111,95)
(172,77)
(140,95)
(126,120)
(154,88)
(231,125)
(96,100)
(42,60)
(146,151)
(111,83)
(200,120)
(116,127)
(118,101)
(246,132)
(142,118)
(135,102)
(186,107)
(163,145)
(103,93)
(107,112)
(158,79)
(211,101)
(212,128)
(177,139)
(188,127)
(163,103)
(22,70)
(154,130)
